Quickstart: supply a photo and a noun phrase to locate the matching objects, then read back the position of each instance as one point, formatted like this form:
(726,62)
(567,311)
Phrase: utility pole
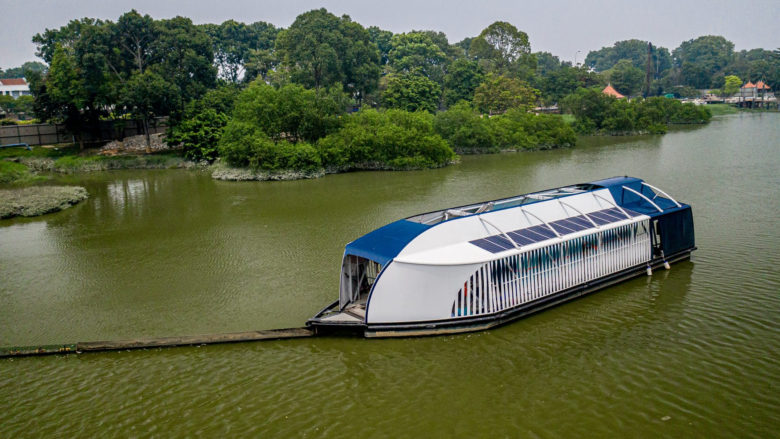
(648,69)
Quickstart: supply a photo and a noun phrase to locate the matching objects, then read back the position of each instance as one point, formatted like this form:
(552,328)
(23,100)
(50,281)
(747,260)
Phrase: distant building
(609,90)
(14,87)
(754,95)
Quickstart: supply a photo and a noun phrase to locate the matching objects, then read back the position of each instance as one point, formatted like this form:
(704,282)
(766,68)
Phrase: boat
(474,267)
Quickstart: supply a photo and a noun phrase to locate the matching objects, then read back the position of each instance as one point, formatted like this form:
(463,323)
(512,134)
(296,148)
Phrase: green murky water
(694,351)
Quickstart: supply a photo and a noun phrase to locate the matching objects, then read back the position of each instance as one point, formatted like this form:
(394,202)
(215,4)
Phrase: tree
(633,50)
(590,107)
(547,63)
(503,49)
(147,95)
(394,139)
(415,52)
(731,85)
(411,92)
(463,77)
(702,57)
(61,97)
(626,78)
(499,93)
(382,40)
(290,112)
(135,35)
(24,70)
(200,130)
(107,64)
(464,128)
(183,57)
(557,84)
(320,49)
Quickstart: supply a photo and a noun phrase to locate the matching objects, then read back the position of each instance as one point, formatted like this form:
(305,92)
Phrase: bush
(290,112)
(199,134)
(200,128)
(411,92)
(11,172)
(596,112)
(245,145)
(464,128)
(394,139)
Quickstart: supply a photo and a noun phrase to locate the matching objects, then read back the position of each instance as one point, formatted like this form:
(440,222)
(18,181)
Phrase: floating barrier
(146,343)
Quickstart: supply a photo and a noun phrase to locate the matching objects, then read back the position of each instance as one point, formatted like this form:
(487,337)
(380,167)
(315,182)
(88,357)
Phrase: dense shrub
(394,139)
(411,92)
(290,112)
(464,128)
(274,128)
(468,131)
(245,145)
(200,129)
(596,112)
(199,134)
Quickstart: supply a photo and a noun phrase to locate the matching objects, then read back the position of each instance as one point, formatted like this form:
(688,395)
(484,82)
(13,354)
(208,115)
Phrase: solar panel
(540,232)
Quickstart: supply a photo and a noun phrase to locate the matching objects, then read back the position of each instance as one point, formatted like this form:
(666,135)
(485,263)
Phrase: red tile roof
(609,90)
(762,86)
(13,81)
(749,85)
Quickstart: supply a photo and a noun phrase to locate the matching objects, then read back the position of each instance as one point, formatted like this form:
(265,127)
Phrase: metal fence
(52,134)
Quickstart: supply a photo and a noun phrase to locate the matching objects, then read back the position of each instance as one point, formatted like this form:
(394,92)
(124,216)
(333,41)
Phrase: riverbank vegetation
(327,93)
(38,200)
(598,113)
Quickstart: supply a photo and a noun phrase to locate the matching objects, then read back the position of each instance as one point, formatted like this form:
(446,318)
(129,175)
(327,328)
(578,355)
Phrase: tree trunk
(148,139)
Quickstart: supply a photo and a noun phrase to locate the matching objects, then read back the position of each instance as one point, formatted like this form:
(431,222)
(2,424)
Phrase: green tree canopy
(394,139)
(382,40)
(632,50)
(234,44)
(547,63)
(290,112)
(702,57)
(503,49)
(411,92)
(320,49)
(463,77)
(416,52)
(562,82)
(626,78)
(731,85)
(24,70)
(499,93)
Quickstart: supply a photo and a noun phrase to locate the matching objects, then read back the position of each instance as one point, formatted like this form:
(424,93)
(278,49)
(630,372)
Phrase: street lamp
(575,57)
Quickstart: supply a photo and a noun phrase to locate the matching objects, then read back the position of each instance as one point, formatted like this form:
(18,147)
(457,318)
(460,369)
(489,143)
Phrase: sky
(568,29)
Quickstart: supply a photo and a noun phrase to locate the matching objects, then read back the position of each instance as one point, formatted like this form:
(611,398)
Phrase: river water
(694,351)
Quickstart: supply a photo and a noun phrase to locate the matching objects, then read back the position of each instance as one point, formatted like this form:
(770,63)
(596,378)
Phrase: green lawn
(721,109)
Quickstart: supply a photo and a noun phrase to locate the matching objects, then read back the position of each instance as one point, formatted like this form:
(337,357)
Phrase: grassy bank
(721,109)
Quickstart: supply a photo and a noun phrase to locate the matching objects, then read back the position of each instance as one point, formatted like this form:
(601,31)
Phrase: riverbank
(39,200)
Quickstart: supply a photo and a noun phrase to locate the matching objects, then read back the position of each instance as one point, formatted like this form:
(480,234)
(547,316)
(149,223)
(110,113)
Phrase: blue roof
(384,243)
(629,200)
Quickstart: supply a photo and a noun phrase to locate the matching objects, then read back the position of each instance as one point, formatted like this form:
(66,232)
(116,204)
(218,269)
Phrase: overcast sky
(562,27)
